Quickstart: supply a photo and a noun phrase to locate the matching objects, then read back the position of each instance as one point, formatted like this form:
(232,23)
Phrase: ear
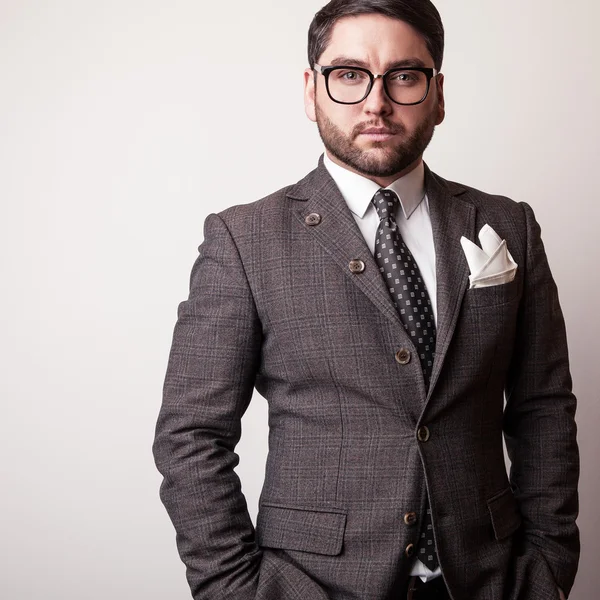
(441,105)
(309,95)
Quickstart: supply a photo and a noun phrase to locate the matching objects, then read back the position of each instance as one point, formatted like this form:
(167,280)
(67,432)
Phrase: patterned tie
(409,293)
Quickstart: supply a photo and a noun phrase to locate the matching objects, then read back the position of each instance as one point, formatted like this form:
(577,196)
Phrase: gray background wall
(122,125)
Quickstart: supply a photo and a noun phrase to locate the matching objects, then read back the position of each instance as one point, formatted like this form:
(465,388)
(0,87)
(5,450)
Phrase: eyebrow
(355,62)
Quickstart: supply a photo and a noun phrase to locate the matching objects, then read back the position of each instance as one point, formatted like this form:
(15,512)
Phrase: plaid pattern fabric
(277,304)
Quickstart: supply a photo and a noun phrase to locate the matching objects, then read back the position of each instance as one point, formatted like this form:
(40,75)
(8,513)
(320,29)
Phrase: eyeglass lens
(350,85)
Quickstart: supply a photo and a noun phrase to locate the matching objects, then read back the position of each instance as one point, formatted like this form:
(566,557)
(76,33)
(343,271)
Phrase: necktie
(409,293)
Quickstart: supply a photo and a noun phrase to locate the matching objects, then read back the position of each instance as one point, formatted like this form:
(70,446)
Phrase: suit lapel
(340,236)
(451,218)
(338,233)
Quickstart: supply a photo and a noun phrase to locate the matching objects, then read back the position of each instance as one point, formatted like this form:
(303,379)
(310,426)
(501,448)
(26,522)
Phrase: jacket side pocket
(318,531)
(504,513)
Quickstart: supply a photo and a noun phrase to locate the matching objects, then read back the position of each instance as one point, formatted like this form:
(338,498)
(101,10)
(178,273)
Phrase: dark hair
(420,14)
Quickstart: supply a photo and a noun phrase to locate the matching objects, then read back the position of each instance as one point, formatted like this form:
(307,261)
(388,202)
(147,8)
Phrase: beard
(387,161)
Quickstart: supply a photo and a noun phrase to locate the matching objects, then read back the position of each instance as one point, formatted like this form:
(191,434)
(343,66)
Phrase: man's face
(378,42)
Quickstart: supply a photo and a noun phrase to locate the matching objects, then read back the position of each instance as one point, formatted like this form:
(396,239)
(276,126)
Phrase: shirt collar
(358,191)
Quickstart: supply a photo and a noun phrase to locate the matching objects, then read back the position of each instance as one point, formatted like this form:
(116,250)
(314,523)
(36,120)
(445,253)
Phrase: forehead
(376,40)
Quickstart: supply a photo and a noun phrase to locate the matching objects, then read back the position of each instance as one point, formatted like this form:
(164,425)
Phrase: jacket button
(312,219)
(410,550)
(403,356)
(356,266)
(410,518)
(423,434)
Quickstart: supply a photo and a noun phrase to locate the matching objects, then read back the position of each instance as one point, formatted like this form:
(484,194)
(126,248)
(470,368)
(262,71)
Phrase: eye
(350,76)
(403,76)
(406,78)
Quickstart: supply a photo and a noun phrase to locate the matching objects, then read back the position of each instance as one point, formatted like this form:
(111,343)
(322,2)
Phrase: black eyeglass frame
(326,71)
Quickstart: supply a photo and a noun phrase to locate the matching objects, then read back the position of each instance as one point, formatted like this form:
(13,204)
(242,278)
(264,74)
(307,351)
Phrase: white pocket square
(491,264)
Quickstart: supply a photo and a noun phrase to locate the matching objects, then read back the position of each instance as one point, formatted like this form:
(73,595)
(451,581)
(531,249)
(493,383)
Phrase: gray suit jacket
(273,304)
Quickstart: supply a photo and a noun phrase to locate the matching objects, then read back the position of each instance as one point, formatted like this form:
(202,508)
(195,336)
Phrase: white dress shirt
(414,223)
(413,219)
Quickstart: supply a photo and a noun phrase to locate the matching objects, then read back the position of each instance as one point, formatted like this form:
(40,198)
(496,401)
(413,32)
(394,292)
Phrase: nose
(378,102)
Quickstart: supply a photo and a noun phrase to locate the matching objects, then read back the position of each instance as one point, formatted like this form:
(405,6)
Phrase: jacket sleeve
(539,424)
(208,386)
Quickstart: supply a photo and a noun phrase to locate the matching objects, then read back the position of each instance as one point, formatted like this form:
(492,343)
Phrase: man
(360,305)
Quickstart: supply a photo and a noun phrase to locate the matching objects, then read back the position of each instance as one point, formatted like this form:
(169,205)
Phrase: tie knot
(385,203)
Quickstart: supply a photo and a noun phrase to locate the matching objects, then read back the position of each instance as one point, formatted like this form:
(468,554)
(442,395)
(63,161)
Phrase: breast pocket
(485,332)
(318,531)
(493,296)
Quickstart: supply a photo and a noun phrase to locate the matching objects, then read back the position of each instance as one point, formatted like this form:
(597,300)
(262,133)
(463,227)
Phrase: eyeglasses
(351,85)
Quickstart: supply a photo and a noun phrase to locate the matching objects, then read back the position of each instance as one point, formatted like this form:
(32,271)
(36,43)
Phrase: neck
(381,181)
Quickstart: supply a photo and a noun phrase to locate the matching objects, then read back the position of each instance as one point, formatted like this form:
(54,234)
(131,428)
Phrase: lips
(378,131)
(377,134)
